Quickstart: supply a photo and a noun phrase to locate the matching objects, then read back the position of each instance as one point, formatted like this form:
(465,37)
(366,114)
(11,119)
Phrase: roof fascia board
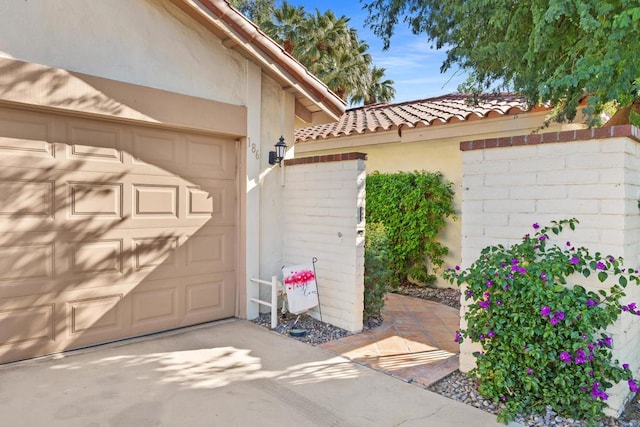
(240,34)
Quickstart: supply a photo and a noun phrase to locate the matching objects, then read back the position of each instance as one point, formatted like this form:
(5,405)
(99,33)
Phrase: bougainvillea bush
(544,336)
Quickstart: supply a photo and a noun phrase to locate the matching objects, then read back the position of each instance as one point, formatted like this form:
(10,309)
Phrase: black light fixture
(278,155)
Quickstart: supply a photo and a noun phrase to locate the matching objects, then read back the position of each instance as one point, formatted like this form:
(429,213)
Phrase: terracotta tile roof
(452,108)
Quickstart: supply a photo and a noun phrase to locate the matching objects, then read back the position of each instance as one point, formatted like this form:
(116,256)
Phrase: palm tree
(330,49)
(379,90)
(286,25)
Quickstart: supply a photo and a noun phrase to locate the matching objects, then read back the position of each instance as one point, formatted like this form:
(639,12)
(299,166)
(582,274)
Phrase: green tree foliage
(326,45)
(377,273)
(414,207)
(259,11)
(548,50)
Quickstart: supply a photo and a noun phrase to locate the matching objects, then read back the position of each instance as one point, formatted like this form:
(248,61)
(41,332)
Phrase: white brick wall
(321,202)
(595,181)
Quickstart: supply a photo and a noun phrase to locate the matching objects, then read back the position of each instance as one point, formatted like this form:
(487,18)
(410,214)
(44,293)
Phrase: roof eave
(241,34)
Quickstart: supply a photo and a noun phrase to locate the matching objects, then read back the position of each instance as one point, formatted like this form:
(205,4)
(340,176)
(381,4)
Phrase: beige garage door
(109,231)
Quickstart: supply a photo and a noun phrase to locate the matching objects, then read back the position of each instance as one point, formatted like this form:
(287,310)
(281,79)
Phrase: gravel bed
(458,386)
(446,296)
(317,332)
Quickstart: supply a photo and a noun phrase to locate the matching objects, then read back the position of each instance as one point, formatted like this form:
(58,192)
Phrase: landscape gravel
(455,386)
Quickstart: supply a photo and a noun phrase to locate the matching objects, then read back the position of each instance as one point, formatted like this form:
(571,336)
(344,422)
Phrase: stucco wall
(434,149)
(596,181)
(320,219)
(154,44)
(145,42)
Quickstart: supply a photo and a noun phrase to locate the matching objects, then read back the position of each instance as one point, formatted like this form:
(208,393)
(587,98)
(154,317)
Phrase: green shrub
(543,341)
(414,207)
(377,273)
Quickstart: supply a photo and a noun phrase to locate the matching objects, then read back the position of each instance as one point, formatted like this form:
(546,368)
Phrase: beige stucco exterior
(434,148)
(172,67)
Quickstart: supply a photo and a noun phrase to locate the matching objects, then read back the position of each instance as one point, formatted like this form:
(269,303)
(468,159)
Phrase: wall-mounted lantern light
(278,155)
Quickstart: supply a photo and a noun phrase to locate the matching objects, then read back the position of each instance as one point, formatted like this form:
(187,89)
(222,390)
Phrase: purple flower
(529,371)
(596,393)
(568,243)
(542,238)
(489,283)
(536,225)
(543,276)
(633,386)
(565,357)
(625,308)
(545,310)
(581,357)
(591,346)
(498,302)
(575,260)
(485,304)
(506,287)
(591,303)
(625,366)
(606,341)
(491,334)
(601,266)
(514,261)
(469,293)
(481,336)
(458,337)
(559,315)
(591,373)
(554,321)
(486,294)
(522,270)
(632,306)
(457,268)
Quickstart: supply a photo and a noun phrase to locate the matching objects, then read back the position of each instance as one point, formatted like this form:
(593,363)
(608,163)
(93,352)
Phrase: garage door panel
(94,318)
(212,199)
(213,293)
(210,158)
(29,327)
(26,135)
(27,324)
(151,253)
(108,231)
(157,307)
(94,143)
(210,250)
(155,200)
(157,151)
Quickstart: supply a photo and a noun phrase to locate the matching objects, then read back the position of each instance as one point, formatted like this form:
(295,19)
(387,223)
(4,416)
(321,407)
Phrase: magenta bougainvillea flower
(545,310)
(565,357)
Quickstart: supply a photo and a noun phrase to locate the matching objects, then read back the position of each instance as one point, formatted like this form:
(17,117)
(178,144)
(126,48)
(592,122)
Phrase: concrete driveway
(226,374)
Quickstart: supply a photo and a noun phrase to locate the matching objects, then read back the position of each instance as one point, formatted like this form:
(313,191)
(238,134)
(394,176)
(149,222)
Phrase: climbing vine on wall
(414,208)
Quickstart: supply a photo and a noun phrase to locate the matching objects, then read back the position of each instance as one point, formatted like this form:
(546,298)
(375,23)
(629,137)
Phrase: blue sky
(410,62)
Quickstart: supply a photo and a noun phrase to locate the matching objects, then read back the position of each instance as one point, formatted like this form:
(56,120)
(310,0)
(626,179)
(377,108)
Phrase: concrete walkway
(414,343)
(227,374)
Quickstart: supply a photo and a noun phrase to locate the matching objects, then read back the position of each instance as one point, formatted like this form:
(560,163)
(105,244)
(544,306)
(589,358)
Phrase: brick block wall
(324,218)
(592,175)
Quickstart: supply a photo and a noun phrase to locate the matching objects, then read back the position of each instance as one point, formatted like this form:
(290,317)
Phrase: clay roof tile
(450,108)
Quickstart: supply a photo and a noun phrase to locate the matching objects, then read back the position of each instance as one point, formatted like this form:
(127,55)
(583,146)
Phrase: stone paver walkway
(414,343)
